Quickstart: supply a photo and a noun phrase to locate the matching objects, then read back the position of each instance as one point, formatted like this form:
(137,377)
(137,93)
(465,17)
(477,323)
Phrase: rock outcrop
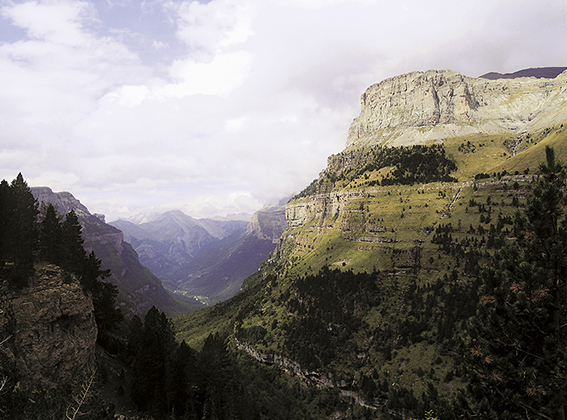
(63,202)
(50,329)
(423,106)
(268,223)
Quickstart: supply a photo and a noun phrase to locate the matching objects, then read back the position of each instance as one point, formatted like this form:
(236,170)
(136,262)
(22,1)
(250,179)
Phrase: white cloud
(58,22)
(215,25)
(248,104)
(221,76)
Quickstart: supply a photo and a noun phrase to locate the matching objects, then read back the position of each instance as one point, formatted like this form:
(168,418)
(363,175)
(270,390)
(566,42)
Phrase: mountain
(139,288)
(371,285)
(218,270)
(205,258)
(540,72)
(166,243)
(418,107)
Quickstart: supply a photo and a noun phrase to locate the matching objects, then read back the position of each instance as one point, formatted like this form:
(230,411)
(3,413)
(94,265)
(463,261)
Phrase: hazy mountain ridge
(171,240)
(208,258)
(139,288)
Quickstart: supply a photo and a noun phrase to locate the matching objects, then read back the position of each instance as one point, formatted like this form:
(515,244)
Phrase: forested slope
(373,299)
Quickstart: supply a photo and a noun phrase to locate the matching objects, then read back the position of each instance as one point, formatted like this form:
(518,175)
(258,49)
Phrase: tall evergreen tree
(4,219)
(50,235)
(74,254)
(20,235)
(149,371)
(516,355)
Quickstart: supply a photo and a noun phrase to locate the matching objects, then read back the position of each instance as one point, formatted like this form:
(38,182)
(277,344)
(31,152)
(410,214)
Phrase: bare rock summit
(419,107)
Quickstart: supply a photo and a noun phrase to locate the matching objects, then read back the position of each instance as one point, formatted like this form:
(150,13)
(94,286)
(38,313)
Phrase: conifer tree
(74,254)
(50,235)
(4,219)
(516,356)
(20,235)
(149,370)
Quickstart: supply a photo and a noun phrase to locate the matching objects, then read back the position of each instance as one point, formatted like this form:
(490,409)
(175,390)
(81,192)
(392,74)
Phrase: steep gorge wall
(268,224)
(426,106)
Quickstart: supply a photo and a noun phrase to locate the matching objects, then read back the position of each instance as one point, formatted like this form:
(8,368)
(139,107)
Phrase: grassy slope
(424,208)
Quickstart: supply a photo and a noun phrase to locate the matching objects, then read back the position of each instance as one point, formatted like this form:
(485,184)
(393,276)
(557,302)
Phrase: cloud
(218,107)
(211,27)
(221,76)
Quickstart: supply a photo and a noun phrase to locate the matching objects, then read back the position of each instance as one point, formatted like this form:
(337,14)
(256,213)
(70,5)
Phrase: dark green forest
(411,165)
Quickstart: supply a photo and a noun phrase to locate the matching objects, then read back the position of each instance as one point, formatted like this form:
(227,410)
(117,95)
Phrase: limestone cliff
(268,223)
(422,106)
(50,329)
(484,125)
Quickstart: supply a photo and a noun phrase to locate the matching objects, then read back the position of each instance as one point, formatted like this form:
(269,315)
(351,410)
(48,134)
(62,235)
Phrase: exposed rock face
(51,326)
(421,106)
(268,223)
(64,202)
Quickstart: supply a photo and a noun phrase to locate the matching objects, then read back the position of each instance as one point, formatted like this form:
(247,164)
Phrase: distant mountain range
(139,288)
(166,243)
(205,258)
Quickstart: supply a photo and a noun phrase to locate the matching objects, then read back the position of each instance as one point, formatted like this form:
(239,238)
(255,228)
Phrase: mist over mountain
(205,258)
(168,242)
(139,288)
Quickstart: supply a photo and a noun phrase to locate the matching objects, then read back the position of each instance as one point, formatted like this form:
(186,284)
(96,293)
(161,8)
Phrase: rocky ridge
(418,107)
(49,327)
(139,288)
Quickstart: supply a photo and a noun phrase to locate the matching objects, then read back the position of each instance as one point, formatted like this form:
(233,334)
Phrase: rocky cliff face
(422,106)
(268,223)
(64,202)
(348,207)
(50,327)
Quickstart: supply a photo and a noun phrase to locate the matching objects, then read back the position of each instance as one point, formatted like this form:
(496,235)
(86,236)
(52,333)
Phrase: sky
(225,106)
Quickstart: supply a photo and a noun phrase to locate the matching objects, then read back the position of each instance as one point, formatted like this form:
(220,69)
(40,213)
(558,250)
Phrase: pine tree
(50,235)
(516,355)
(20,235)
(4,219)
(149,383)
(74,254)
